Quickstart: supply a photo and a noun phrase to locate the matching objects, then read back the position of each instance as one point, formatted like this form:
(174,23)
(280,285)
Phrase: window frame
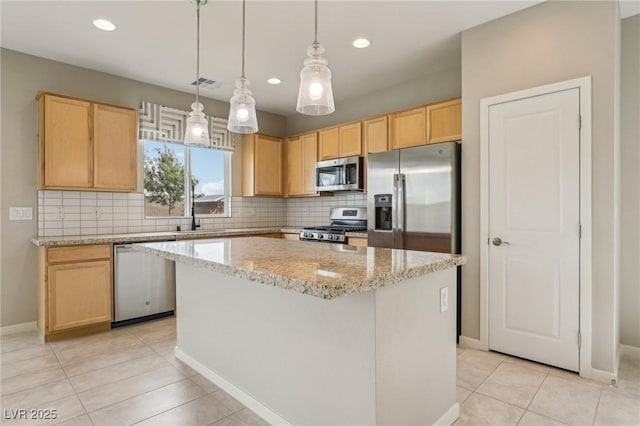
(227,164)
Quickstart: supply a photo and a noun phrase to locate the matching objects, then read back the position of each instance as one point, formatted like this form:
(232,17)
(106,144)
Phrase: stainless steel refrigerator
(414,200)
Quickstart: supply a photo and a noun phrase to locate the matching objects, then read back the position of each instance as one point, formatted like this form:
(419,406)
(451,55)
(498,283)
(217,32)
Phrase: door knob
(497,241)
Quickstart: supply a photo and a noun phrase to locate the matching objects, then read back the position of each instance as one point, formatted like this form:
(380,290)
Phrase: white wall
(550,42)
(630,183)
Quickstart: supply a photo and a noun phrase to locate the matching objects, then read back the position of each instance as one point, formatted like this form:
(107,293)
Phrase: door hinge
(488,241)
(579,122)
(579,339)
(580,231)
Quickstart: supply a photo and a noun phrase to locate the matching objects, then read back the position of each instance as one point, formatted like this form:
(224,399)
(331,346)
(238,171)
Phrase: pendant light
(197,131)
(242,111)
(315,96)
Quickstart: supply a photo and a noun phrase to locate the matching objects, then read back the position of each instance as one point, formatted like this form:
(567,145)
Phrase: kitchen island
(313,333)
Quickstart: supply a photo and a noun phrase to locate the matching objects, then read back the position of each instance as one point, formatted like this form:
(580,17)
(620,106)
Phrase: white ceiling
(155,40)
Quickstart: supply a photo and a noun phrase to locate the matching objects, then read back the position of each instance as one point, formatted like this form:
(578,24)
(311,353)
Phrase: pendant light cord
(198,51)
(315,41)
(243,26)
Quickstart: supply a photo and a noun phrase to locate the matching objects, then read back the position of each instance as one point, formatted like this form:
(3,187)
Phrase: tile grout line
(131,377)
(75,393)
(595,413)
(147,392)
(184,403)
(534,396)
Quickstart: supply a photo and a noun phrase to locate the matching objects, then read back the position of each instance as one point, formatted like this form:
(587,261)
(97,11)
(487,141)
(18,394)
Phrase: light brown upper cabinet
(343,141)
(84,145)
(375,134)
(114,148)
(444,121)
(302,154)
(408,128)
(65,143)
(261,165)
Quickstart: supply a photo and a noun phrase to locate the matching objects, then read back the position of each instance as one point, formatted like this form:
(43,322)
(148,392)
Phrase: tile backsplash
(315,211)
(88,213)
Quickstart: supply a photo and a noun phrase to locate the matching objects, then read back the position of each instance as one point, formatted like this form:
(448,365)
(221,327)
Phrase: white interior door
(534,209)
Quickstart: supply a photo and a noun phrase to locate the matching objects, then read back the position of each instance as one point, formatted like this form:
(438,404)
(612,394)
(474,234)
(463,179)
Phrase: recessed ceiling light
(361,43)
(104,25)
(274,80)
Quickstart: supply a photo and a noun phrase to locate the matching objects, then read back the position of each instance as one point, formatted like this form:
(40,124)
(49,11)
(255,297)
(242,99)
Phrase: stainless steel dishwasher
(144,288)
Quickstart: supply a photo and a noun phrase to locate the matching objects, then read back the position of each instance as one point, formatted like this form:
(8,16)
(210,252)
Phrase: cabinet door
(291,237)
(444,121)
(268,166)
(309,158)
(79,294)
(329,143)
(375,134)
(114,148)
(408,128)
(357,241)
(294,166)
(65,145)
(351,140)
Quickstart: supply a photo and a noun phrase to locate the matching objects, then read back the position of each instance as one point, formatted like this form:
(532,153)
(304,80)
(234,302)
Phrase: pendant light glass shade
(242,109)
(197,131)
(315,96)
(242,113)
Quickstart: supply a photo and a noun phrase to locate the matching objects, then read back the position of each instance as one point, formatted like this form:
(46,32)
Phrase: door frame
(584,86)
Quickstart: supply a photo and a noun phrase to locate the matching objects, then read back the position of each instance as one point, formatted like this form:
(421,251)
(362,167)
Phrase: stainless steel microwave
(341,174)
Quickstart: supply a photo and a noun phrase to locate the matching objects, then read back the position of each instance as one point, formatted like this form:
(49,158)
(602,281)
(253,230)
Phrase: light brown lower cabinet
(357,241)
(292,237)
(74,290)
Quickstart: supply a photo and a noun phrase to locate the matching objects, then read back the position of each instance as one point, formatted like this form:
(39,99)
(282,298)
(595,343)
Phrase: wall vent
(206,83)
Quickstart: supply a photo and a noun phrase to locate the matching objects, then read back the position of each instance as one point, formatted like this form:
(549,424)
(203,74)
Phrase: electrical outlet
(444,299)
(60,213)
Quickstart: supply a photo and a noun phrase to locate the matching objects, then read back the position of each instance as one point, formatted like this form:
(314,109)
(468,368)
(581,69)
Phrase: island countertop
(318,269)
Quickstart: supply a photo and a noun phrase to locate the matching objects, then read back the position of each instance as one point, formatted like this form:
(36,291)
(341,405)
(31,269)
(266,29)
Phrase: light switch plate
(20,213)
(444,299)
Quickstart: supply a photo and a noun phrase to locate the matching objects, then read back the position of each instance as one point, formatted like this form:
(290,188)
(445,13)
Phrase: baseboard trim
(248,400)
(450,416)
(630,351)
(18,328)
(471,343)
(603,376)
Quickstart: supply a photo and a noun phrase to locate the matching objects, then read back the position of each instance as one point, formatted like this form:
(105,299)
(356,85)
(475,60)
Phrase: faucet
(193,208)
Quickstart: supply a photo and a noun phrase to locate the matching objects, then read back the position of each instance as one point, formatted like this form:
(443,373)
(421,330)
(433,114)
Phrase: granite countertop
(154,236)
(322,270)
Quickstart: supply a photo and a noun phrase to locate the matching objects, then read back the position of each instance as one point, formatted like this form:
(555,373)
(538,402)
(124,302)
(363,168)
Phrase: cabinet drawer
(78,253)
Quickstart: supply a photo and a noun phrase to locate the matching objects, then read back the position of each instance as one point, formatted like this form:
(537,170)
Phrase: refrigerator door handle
(400,209)
(394,211)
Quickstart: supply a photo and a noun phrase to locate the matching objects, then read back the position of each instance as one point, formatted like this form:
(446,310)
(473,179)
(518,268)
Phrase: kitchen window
(170,170)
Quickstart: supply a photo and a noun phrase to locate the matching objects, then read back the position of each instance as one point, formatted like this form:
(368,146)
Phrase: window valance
(162,123)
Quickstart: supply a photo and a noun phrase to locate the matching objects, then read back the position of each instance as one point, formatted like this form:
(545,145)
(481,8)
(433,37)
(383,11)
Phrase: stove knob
(334,237)
(320,236)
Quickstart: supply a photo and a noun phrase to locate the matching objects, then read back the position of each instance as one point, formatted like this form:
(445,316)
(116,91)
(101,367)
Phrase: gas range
(343,220)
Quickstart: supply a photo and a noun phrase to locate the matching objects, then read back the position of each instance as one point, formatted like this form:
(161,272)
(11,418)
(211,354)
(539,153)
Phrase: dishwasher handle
(123,247)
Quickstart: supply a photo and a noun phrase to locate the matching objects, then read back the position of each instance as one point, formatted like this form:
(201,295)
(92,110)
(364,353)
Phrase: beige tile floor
(130,376)
(496,389)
